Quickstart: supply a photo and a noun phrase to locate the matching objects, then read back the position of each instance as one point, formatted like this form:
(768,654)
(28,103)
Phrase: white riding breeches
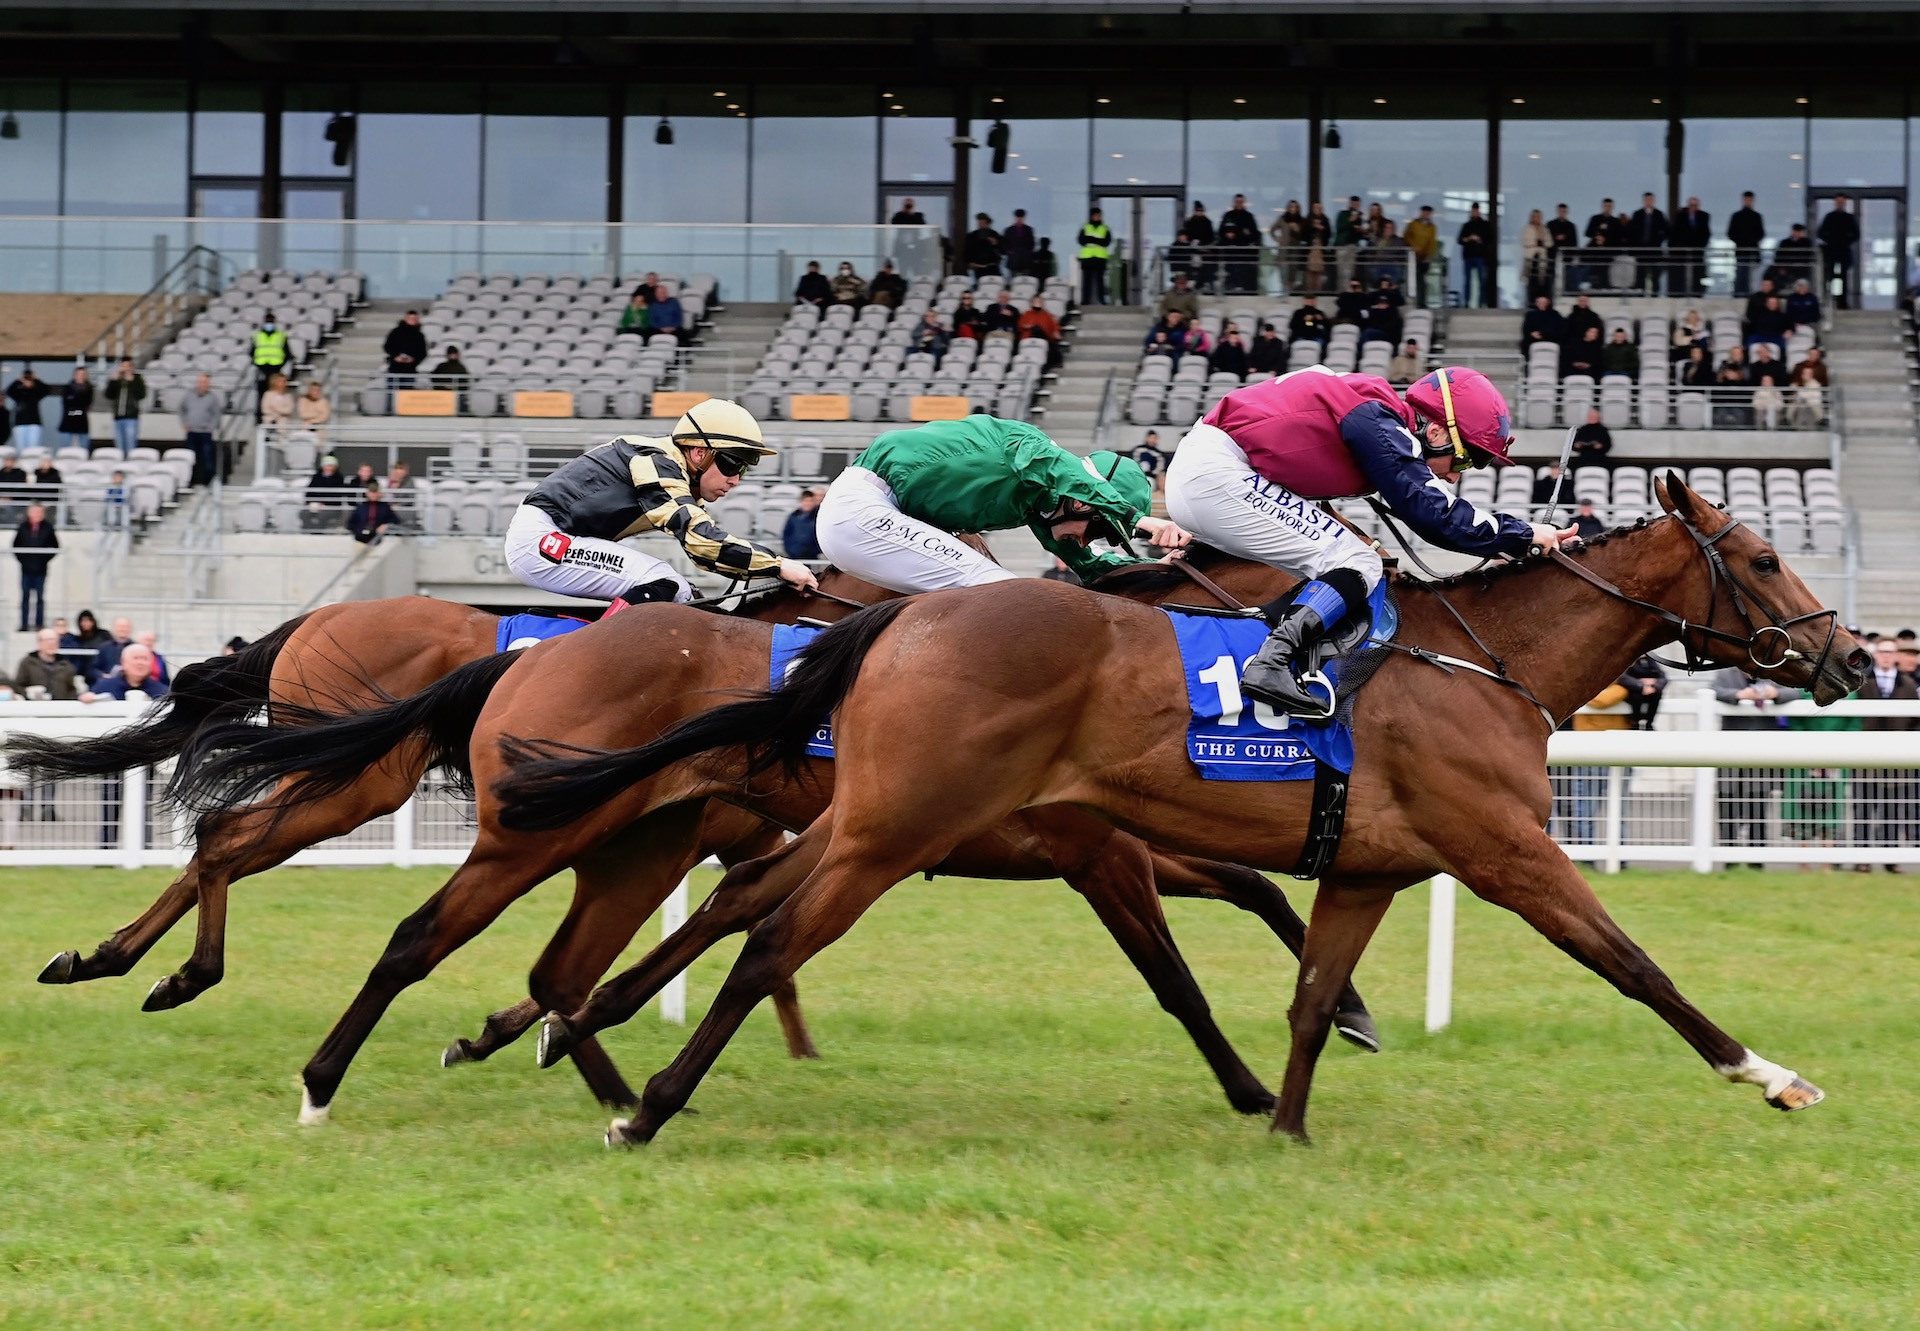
(862,530)
(1216,495)
(543,556)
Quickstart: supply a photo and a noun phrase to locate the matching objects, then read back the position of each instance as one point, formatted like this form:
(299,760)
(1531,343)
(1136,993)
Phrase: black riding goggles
(735,464)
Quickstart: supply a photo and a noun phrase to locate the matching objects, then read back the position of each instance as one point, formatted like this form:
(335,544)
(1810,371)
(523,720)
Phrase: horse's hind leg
(1533,878)
(1344,918)
(121,951)
(250,841)
(1254,892)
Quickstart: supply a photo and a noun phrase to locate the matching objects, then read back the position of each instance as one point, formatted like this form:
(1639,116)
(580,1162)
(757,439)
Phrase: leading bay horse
(569,690)
(1450,774)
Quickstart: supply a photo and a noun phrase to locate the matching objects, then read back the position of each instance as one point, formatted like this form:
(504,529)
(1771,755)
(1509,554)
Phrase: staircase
(356,358)
(739,338)
(1106,341)
(1483,340)
(1880,463)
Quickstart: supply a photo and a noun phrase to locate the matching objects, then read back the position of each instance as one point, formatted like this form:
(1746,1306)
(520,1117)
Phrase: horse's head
(1755,612)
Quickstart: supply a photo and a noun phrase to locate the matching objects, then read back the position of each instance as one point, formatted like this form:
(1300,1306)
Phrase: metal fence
(1297,270)
(1718,270)
(1662,404)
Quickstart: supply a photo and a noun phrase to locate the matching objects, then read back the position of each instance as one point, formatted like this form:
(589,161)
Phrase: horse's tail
(221,688)
(232,764)
(551,785)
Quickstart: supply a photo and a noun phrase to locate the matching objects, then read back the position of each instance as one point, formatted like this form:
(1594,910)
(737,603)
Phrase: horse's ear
(1673,494)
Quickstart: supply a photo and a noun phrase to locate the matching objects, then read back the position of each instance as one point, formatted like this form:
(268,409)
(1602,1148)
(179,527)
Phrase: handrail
(1103,418)
(198,272)
(1663,272)
(1289,270)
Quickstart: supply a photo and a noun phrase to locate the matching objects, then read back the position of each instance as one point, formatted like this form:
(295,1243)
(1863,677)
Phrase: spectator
(1319,242)
(399,481)
(27,393)
(1586,788)
(1061,573)
(1183,257)
(45,669)
(1159,344)
(1793,257)
(1744,791)
(45,473)
(87,635)
(1423,238)
(233,646)
(362,477)
(1309,323)
(888,287)
(813,288)
(1405,367)
(1621,356)
(644,287)
(1581,318)
(1646,684)
(1239,242)
(1546,488)
(276,404)
(76,399)
(1769,378)
(1808,403)
(1734,391)
(1096,246)
(372,518)
(1392,260)
(114,515)
(1045,264)
(149,639)
(1583,357)
(1017,243)
(1003,316)
(1349,229)
(849,288)
(325,496)
(405,348)
(1038,321)
(1350,306)
(1542,323)
(635,320)
(1587,521)
(667,315)
(1606,230)
(1689,331)
(930,335)
(1289,232)
(1816,364)
(980,250)
(1839,237)
(1180,296)
(1381,323)
(1173,332)
(1769,326)
(1883,800)
(270,356)
(125,392)
(1746,229)
(200,412)
(1198,226)
(314,411)
(1230,357)
(136,676)
(1757,302)
(107,660)
(908,214)
(1268,355)
(11,472)
(967,320)
(799,538)
(1476,248)
(34,545)
(1647,233)
(1536,269)
(1563,239)
(1592,442)
(1691,233)
(1803,307)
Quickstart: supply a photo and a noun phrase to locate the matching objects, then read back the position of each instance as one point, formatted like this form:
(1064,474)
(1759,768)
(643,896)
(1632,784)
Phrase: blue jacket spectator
(137,677)
(1803,307)
(797,537)
(667,315)
(107,659)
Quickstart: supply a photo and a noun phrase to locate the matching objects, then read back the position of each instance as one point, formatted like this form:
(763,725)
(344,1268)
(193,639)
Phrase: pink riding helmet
(1473,411)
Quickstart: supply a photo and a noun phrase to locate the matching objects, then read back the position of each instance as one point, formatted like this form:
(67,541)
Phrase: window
(127,150)
(1726,157)
(815,155)
(1577,162)
(30,164)
(545,169)
(915,142)
(417,153)
(229,131)
(1402,164)
(702,175)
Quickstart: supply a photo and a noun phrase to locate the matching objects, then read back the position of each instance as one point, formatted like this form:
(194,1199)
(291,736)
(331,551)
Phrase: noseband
(1768,646)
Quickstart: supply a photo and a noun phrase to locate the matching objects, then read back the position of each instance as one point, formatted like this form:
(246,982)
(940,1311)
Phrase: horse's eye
(1766,564)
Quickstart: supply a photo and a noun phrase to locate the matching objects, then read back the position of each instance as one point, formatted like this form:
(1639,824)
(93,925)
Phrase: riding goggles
(735,464)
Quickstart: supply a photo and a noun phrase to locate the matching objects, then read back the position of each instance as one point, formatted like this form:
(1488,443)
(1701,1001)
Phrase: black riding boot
(1269,674)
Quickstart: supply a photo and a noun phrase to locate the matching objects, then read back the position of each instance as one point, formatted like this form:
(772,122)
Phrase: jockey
(1243,480)
(565,537)
(889,517)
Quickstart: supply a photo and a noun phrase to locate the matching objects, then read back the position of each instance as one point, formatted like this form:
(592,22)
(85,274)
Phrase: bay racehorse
(1047,698)
(571,691)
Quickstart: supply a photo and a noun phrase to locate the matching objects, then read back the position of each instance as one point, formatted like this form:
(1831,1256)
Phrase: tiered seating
(219,341)
(1162,394)
(1653,402)
(153,481)
(868,356)
(539,333)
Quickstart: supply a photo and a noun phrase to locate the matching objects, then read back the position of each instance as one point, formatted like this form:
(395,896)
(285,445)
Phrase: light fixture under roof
(733,106)
(1108,101)
(1239,101)
(1379,101)
(721,93)
(1800,101)
(997,101)
(1519,101)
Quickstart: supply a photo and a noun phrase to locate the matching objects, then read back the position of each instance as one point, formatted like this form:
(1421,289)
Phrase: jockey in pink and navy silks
(1245,479)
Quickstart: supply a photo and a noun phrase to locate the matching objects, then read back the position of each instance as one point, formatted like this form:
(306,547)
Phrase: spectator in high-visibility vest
(269,357)
(1096,247)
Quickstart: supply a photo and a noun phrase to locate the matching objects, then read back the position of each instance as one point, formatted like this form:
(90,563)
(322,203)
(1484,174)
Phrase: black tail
(552,785)
(222,688)
(232,764)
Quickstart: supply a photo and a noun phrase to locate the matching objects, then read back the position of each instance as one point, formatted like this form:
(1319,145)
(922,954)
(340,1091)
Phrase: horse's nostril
(1859,660)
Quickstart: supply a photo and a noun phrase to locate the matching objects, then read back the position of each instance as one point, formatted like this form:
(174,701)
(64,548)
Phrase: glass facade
(1545,163)
(126,149)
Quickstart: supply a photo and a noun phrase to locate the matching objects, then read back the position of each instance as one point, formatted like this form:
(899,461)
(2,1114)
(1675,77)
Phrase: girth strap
(1325,823)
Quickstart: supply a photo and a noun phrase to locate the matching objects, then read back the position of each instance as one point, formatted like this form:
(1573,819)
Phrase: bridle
(1759,641)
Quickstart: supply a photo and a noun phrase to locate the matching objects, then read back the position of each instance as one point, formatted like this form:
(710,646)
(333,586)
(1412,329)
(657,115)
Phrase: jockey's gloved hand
(1164,533)
(1552,538)
(793,572)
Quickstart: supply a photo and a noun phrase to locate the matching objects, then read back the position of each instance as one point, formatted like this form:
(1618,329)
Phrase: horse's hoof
(162,997)
(1264,1103)
(1797,1094)
(555,1042)
(60,970)
(1357,1029)
(626,1132)
(311,1114)
(457,1052)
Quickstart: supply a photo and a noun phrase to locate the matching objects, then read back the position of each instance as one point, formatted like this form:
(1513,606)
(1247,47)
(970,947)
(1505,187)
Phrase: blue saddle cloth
(526,630)
(1229,741)
(788,639)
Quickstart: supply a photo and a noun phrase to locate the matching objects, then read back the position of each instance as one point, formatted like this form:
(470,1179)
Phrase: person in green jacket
(890,517)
